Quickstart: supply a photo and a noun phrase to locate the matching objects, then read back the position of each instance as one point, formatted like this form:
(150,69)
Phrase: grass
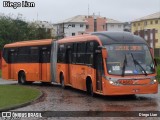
(13,95)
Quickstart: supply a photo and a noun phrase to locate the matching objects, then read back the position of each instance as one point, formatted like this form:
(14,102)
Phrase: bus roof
(29,43)
(118,37)
(103,38)
(79,38)
(106,37)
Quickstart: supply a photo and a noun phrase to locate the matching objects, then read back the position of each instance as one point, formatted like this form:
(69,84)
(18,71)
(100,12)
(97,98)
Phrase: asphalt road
(57,99)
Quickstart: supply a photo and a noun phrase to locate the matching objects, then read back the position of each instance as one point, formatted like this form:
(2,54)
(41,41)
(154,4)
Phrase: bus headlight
(114,83)
(111,82)
(153,81)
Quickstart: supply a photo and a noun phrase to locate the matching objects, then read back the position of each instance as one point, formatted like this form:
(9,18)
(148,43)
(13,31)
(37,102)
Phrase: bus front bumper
(109,89)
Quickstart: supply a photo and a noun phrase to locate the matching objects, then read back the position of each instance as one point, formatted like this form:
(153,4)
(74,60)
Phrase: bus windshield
(129,59)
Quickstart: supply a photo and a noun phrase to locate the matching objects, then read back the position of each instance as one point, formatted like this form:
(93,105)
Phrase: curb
(23,104)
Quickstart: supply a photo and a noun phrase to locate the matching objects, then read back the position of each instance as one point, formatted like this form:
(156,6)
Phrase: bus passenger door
(99,71)
(44,69)
(68,60)
(11,59)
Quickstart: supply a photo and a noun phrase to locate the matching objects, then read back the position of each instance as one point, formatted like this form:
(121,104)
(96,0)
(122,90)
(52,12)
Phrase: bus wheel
(62,81)
(90,88)
(22,78)
(45,83)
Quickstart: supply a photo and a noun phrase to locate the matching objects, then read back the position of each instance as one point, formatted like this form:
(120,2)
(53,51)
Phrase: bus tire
(22,78)
(89,87)
(91,90)
(45,83)
(62,81)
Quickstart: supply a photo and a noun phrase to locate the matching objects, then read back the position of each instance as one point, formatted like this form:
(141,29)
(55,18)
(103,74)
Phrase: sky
(59,10)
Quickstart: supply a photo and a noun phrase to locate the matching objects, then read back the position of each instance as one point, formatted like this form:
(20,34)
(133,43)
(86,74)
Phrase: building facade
(71,27)
(114,25)
(148,27)
(48,26)
(95,23)
(80,24)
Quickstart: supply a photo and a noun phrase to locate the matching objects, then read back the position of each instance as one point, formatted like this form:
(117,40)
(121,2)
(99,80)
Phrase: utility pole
(88,10)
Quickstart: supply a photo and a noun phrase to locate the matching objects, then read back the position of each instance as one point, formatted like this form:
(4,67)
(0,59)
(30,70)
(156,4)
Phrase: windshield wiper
(124,66)
(137,63)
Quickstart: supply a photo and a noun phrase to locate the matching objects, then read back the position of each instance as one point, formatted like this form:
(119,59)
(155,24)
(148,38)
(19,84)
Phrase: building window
(73,34)
(151,22)
(145,23)
(138,24)
(103,27)
(119,26)
(112,26)
(81,25)
(73,25)
(156,22)
(151,35)
(145,34)
(134,24)
(145,37)
(87,26)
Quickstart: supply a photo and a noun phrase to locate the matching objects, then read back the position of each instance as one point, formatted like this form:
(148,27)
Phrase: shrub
(157,60)
(158,73)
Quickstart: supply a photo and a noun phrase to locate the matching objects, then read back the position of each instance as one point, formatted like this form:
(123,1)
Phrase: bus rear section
(27,61)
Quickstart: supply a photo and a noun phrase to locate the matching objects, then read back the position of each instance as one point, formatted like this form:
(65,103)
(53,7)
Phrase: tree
(13,30)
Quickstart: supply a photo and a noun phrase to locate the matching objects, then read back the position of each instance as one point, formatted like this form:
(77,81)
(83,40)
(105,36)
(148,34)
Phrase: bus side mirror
(104,53)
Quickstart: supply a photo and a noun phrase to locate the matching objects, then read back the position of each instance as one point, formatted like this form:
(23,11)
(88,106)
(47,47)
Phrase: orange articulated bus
(106,63)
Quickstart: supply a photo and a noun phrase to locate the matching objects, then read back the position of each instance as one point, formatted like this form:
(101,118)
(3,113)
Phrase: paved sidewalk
(3,82)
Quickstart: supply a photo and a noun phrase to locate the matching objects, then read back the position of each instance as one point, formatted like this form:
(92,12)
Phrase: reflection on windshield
(129,59)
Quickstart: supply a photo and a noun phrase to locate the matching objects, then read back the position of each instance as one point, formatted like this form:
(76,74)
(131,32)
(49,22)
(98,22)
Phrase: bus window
(74,50)
(68,53)
(61,53)
(12,55)
(34,54)
(138,57)
(80,53)
(23,54)
(5,54)
(45,54)
(89,53)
